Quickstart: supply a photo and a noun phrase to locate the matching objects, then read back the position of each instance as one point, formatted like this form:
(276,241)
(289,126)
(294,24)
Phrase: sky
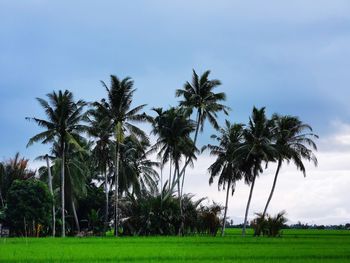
(291,56)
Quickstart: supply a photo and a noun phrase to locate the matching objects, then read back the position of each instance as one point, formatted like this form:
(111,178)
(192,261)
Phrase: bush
(28,211)
(149,214)
(269,225)
(209,219)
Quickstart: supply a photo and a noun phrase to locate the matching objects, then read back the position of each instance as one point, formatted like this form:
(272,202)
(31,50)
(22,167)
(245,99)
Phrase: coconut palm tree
(226,166)
(63,126)
(136,154)
(173,128)
(294,143)
(100,129)
(47,170)
(256,149)
(122,115)
(199,95)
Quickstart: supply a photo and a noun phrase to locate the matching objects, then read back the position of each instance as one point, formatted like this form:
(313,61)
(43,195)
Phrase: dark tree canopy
(28,207)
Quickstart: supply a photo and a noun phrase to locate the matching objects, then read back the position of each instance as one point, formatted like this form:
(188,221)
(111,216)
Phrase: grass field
(294,246)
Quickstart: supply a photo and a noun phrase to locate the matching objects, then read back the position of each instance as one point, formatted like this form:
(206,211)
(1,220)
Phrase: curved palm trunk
(62,192)
(51,192)
(273,186)
(76,220)
(107,200)
(116,190)
(226,205)
(183,182)
(161,182)
(170,184)
(180,199)
(248,204)
(183,171)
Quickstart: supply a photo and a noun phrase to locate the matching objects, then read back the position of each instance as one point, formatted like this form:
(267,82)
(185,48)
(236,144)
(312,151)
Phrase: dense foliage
(267,225)
(28,207)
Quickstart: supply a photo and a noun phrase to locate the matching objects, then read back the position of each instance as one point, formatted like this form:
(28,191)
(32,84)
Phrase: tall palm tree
(199,95)
(47,170)
(63,125)
(122,115)
(173,128)
(226,166)
(100,128)
(293,142)
(256,149)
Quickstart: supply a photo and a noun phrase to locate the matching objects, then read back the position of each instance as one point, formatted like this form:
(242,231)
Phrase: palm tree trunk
(107,201)
(76,220)
(248,204)
(226,205)
(161,182)
(183,171)
(180,200)
(273,186)
(62,193)
(183,182)
(1,199)
(170,174)
(116,190)
(51,192)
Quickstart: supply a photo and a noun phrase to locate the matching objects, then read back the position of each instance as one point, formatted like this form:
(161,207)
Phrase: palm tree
(256,149)
(226,166)
(100,129)
(63,126)
(173,128)
(292,141)
(47,158)
(136,154)
(118,109)
(200,95)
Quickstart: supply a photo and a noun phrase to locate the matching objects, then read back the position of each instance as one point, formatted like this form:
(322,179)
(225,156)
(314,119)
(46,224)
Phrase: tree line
(100,161)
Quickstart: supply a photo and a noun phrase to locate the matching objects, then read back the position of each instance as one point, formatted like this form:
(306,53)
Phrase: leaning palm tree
(226,166)
(63,126)
(200,95)
(256,149)
(118,109)
(294,143)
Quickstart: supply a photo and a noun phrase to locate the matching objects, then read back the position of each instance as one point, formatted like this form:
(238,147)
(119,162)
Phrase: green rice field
(294,246)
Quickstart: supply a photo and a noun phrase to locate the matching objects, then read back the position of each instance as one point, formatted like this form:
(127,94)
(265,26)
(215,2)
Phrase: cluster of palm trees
(100,143)
(244,151)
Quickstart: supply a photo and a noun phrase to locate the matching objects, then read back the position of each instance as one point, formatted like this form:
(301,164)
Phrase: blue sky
(291,56)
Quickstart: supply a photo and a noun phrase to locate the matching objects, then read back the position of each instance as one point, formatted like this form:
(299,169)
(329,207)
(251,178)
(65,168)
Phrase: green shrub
(28,211)
(269,225)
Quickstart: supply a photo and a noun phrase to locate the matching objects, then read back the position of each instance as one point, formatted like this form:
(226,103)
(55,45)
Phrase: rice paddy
(294,246)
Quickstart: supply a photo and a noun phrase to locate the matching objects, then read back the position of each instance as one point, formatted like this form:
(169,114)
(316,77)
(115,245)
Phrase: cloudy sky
(291,56)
